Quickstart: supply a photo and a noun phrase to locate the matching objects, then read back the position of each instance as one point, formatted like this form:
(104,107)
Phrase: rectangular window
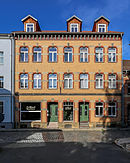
(1,107)
(99,54)
(24,81)
(68,81)
(99,81)
(1,82)
(52,54)
(84,54)
(68,55)
(99,109)
(112,54)
(29,27)
(23,54)
(112,81)
(128,88)
(37,81)
(101,27)
(112,109)
(52,81)
(68,111)
(37,54)
(73,27)
(30,111)
(1,57)
(83,80)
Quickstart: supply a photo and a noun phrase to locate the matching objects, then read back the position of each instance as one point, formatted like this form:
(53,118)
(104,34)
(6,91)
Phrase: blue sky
(52,15)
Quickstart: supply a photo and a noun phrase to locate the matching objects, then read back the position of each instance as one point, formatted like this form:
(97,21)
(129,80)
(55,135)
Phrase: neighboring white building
(6,80)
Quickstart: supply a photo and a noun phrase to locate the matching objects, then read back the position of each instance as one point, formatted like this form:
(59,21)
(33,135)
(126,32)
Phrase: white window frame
(112,81)
(102,27)
(68,80)
(30,111)
(68,54)
(37,78)
(2,107)
(37,54)
(52,78)
(84,81)
(2,56)
(29,28)
(84,54)
(2,77)
(99,54)
(24,79)
(24,53)
(99,81)
(111,55)
(99,107)
(77,27)
(52,52)
(111,107)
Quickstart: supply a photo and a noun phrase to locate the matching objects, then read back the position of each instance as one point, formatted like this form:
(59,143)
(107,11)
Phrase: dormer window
(29,27)
(101,27)
(73,27)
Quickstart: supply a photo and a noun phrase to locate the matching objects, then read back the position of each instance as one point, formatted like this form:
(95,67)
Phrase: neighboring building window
(99,109)
(129,88)
(52,54)
(30,111)
(99,54)
(68,81)
(1,107)
(83,54)
(73,27)
(24,81)
(101,27)
(52,81)
(68,55)
(37,54)
(68,111)
(112,109)
(83,80)
(1,58)
(99,80)
(1,82)
(112,54)
(112,81)
(23,54)
(29,27)
(37,81)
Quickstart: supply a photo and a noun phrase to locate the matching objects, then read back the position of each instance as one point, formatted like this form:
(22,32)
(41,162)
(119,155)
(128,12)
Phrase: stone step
(52,125)
(84,125)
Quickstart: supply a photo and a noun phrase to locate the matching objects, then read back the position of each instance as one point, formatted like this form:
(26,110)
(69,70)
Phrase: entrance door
(53,112)
(84,112)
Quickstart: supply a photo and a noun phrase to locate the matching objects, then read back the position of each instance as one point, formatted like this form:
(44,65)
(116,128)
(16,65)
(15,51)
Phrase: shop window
(99,80)
(30,111)
(112,109)
(112,55)
(99,109)
(68,81)
(1,82)
(52,81)
(68,55)
(68,111)
(52,54)
(83,80)
(83,54)
(37,81)
(24,81)
(99,54)
(112,81)
(23,54)
(1,57)
(37,54)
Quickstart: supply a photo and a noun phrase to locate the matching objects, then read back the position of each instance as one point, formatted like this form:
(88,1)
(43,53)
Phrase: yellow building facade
(68,79)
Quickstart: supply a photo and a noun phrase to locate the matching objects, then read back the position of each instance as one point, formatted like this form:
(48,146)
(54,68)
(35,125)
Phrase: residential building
(6,80)
(69,79)
(126,91)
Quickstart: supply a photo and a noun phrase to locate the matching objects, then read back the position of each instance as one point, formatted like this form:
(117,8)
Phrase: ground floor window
(68,111)
(112,109)
(30,111)
(99,109)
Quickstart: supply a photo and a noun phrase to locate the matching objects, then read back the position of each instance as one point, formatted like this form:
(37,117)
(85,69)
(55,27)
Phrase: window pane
(66,57)
(70,57)
(50,83)
(50,57)
(65,83)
